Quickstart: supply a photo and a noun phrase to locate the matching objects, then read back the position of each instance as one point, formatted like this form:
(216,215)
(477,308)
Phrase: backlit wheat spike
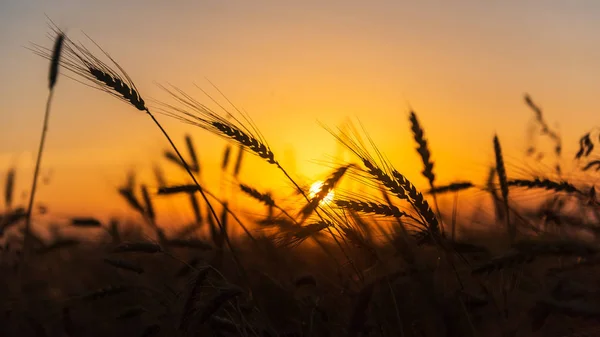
(297,234)
(195,163)
(9,187)
(394,181)
(547,184)
(86,222)
(198,114)
(262,197)
(501,173)
(419,202)
(370,207)
(545,129)
(226,155)
(422,149)
(55,60)
(385,179)
(166,190)
(246,140)
(149,207)
(80,61)
(327,186)
(238,161)
(452,187)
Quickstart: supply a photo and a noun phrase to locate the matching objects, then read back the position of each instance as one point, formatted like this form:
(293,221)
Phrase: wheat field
(382,260)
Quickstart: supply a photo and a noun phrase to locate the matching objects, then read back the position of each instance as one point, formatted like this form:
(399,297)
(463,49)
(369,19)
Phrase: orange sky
(462,65)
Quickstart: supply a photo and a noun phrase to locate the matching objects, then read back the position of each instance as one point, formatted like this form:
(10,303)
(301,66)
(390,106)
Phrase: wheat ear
(501,172)
(80,61)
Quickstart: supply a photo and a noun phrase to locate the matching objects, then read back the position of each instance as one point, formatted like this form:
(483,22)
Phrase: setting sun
(316,188)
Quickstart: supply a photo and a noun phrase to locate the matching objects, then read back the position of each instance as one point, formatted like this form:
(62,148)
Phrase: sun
(316,188)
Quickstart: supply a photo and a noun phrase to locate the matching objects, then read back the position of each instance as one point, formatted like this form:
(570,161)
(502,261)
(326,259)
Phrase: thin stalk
(27,238)
(189,171)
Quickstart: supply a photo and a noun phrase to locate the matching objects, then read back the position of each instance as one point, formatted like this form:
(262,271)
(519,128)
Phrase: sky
(463,66)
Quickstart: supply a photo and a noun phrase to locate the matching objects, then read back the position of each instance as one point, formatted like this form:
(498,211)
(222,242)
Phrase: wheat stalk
(80,61)
(55,59)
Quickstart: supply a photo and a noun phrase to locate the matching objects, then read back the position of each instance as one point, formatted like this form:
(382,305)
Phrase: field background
(110,254)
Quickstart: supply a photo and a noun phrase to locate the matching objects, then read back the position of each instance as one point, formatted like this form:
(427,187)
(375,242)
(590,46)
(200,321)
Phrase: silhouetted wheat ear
(262,197)
(86,222)
(226,155)
(452,187)
(9,187)
(196,208)
(370,207)
(115,83)
(166,190)
(328,185)
(547,184)
(80,61)
(195,166)
(385,179)
(501,172)
(419,202)
(305,231)
(422,149)
(238,162)
(246,140)
(55,61)
(294,235)
(148,202)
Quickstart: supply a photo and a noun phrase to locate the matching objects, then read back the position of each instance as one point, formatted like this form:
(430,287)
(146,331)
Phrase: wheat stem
(27,238)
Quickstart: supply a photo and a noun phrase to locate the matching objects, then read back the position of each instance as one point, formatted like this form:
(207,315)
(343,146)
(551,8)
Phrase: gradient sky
(462,65)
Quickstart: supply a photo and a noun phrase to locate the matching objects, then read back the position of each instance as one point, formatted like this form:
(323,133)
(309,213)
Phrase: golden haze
(462,67)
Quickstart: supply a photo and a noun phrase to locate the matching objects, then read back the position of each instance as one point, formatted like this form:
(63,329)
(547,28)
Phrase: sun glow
(316,188)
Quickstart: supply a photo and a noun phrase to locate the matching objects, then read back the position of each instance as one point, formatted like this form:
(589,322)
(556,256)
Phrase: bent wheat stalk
(81,62)
(55,59)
